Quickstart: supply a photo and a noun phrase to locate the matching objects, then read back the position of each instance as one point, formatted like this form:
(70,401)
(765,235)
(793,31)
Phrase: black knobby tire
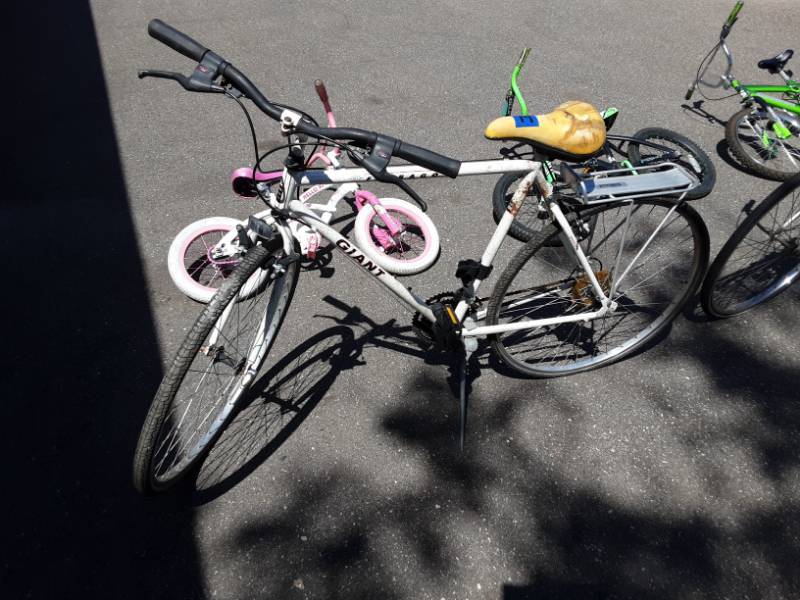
(737,148)
(756,263)
(235,295)
(707,177)
(543,281)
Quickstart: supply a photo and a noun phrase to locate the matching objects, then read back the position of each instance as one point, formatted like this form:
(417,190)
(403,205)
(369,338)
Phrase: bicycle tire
(527,223)
(707,176)
(188,263)
(780,262)
(229,298)
(737,147)
(561,288)
(418,226)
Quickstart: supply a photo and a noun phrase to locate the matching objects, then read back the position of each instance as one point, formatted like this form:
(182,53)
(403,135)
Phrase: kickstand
(462,391)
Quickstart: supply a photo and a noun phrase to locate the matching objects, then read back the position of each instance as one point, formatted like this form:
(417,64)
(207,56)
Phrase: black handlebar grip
(180,42)
(689,93)
(428,159)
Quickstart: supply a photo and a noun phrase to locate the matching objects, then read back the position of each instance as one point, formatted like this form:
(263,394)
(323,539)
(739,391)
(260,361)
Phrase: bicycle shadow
(286,394)
(697,112)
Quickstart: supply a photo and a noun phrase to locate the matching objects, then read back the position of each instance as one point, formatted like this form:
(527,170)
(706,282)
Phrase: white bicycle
(627,261)
(394,233)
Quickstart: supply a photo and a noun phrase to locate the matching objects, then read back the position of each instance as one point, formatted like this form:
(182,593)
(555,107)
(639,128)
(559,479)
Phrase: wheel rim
(409,246)
(223,366)
(649,294)
(200,266)
(762,145)
(764,262)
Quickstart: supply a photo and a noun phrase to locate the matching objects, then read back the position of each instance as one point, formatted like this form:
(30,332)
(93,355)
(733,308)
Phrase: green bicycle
(646,147)
(763,135)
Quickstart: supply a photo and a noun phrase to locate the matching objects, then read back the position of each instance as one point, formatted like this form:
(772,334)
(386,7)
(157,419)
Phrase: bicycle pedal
(446,329)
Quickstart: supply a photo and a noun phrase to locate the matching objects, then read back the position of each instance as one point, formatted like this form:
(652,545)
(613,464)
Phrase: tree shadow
(553,527)
(286,394)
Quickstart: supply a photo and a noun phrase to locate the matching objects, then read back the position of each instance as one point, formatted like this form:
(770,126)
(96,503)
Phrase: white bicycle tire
(374,252)
(175,257)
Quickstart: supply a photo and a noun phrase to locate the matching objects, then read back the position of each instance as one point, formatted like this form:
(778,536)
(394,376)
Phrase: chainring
(423,328)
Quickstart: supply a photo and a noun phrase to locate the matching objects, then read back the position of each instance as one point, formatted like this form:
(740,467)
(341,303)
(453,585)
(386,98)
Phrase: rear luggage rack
(662,179)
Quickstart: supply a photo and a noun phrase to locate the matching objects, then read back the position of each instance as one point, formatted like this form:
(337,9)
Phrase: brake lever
(384,177)
(389,178)
(185,82)
(376,164)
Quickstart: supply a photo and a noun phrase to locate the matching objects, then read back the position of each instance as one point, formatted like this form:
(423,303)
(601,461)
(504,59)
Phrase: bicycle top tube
(212,67)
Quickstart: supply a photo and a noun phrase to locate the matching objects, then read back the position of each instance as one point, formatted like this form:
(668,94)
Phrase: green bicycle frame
(790,90)
(749,92)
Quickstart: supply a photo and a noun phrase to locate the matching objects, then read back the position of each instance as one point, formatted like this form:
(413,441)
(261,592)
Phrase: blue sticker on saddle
(526,121)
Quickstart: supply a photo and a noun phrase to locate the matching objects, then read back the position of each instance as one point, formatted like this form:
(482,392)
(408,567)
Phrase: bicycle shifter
(378,160)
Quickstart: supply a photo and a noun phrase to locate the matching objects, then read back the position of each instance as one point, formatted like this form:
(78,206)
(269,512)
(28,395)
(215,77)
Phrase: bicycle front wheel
(755,143)
(219,358)
(649,256)
(761,258)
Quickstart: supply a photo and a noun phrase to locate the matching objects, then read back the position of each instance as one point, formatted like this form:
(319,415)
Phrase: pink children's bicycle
(396,235)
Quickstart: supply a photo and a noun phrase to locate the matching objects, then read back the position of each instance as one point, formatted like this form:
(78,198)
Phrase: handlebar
(513,90)
(212,66)
(734,13)
(725,80)
(726,28)
(178,41)
(322,92)
(523,57)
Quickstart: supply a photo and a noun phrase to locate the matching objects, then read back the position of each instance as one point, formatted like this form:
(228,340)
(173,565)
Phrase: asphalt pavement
(673,474)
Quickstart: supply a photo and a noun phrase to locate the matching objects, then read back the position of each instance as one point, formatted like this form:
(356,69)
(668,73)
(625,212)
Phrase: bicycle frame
(299,211)
(751,92)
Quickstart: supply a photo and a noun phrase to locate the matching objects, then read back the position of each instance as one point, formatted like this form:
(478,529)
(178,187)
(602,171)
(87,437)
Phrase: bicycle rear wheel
(212,369)
(760,259)
(650,279)
(696,162)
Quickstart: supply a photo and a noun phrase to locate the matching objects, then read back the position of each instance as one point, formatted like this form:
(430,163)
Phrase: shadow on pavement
(284,396)
(580,524)
(81,349)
